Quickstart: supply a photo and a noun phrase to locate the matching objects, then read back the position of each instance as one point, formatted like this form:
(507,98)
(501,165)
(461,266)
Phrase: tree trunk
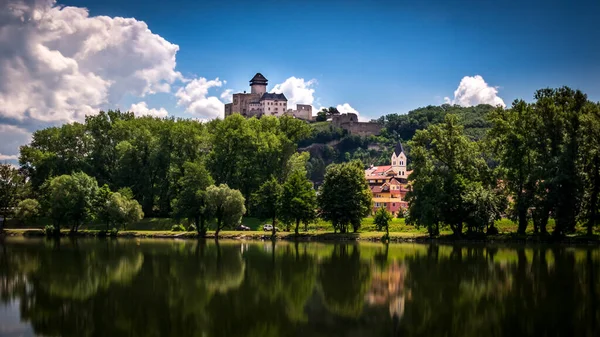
(522,214)
(297,225)
(219,223)
(274,230)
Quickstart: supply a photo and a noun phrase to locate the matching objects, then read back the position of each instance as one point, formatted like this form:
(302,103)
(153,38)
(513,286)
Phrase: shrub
(49,229)
(114,231)
(191,228)
(178,228)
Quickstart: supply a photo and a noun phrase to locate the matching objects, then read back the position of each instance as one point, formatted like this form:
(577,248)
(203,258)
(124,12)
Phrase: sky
(60,61)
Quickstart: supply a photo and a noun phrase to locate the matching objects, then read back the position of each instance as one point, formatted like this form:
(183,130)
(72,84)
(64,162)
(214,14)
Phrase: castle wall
(350,122)
(241,103)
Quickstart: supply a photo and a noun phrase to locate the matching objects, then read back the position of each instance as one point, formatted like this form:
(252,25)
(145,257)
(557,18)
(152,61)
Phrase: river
(128,287)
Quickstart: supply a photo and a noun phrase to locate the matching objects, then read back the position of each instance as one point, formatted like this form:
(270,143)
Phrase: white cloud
(194,97)
(59,64)
(346,108)
(11,137)
(473,90)
(297,91)
(141,109)
(227,94)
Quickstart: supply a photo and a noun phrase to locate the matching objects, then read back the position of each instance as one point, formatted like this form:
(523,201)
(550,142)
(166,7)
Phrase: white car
(268,228)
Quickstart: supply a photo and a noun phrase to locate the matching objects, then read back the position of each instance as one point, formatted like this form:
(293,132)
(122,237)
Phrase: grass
(320,230)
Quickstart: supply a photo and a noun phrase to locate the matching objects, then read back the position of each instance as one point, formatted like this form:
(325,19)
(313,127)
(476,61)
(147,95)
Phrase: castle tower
(399,160)
(258,84)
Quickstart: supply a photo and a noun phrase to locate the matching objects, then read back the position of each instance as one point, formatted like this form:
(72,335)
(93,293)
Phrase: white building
(261,103)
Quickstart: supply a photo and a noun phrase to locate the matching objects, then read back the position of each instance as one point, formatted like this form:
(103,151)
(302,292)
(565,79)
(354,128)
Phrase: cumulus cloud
(59,63)
(297,91)
(141,109)
(473,90)
(11,137)
(227,94)
(195,98)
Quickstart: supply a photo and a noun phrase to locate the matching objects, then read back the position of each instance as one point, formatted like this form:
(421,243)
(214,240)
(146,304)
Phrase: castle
(388,183)
(261,103)
(349,121)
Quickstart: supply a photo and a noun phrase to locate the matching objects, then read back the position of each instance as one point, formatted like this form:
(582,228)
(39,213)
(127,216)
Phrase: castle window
(394,163)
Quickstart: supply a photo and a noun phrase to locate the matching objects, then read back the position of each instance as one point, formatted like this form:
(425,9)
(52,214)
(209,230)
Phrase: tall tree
(513,141)
(28,211)
(70,199)
(382,220)
(191,200)
(227,206)
(449,169)
(12,185)
(590,165)
(345,198)
(267,202)
(298,200)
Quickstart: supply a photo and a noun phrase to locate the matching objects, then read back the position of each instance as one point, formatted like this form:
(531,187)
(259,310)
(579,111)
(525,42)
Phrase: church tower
(399,160)
(258,84)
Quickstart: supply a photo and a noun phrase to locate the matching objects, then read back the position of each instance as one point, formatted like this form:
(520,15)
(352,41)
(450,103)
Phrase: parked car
(268,228)
(242,228)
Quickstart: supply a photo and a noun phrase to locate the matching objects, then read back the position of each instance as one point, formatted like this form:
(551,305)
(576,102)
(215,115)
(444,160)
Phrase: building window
(269,108)
(393,204)
(394,163)
(377,204)
(384,204)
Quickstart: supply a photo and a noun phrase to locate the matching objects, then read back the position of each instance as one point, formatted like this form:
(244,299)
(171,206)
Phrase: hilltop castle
(261,103)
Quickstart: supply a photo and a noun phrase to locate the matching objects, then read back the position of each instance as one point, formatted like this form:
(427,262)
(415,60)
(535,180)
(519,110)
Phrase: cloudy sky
(61,61)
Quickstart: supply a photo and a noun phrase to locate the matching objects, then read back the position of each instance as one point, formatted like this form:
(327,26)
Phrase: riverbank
(371,236)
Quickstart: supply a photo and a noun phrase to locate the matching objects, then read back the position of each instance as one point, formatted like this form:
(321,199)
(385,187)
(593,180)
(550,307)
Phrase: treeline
(538,161)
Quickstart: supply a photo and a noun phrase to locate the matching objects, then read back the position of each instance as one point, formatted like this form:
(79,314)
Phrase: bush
(114,231)
(49,229)
(191,228)
(178,228)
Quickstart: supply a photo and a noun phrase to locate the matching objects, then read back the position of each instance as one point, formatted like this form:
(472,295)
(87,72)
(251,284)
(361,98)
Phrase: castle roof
(258,79)
(398,149)
(268,95)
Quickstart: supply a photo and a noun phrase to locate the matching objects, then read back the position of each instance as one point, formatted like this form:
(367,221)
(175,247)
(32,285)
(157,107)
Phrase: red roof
(382,169)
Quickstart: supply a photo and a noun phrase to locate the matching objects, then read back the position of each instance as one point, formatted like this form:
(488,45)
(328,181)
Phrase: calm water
(185,288)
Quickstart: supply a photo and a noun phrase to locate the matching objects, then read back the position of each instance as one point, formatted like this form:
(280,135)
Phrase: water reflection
(197,288)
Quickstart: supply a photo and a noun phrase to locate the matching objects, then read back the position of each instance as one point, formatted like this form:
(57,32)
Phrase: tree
(28,211)
(122,211)
(12,185)
(322,115)
(590,162)
(70,199)
(227,206)
(448,170)
(345,198)
(191,200)
(266,201)
(298,200)
(513,142)
(382,220)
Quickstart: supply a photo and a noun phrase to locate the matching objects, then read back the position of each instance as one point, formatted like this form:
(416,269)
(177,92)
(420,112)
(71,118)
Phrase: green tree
(513,142)
(12,185)
(298,200)
(267,202)
(322,115)
(123,211)
(448,170)
(590,165)
(345,198)
(28,211)
(191,200)
(382,220)
(70,199)
(227,206)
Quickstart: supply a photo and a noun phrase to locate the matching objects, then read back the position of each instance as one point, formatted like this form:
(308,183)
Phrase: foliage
(227,206)
(49,230)
(28,211)
(298,200)
(449,176)
(122,211)
(382,219)
(178,228)
(191,228)
(267,202)
(191,200)
(12,186)
(70,199)
(345,198)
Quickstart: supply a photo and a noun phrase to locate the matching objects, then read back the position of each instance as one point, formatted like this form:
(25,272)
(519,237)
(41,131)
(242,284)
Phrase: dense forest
(530,162)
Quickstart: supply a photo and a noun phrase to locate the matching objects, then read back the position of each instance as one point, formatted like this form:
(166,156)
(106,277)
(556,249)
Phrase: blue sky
(375,57)
(380,56)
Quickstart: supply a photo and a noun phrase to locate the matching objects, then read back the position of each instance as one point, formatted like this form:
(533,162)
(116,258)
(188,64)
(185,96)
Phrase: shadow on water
(197,288)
